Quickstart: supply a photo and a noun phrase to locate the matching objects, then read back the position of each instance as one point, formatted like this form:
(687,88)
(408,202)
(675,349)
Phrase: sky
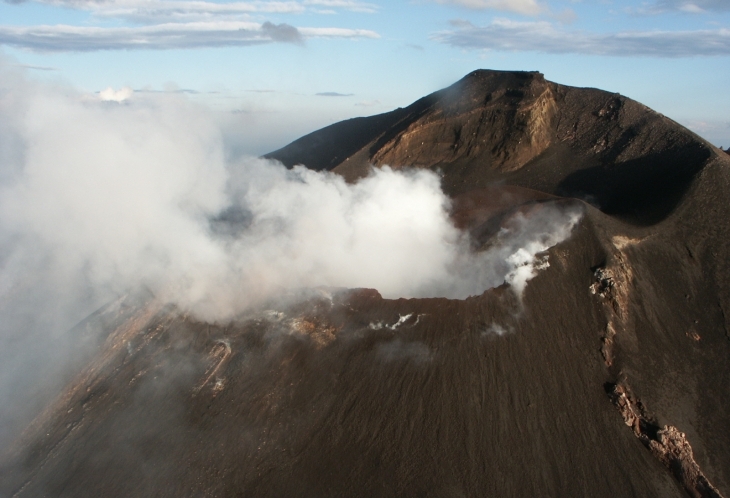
(276,70)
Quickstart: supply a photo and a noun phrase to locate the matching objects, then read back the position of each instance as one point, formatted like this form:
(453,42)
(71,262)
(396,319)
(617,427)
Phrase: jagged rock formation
(349,394)
(668,444)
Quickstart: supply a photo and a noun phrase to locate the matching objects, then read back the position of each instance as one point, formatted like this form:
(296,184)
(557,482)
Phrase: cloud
(156,11)
(369,103)
(164,24)
(687,6)
(161,11)
(351,5)
(334,94)
(566,16)
(545,37)
(172,89)
(63,38)
(338,33)
(37,68)
(526,7)
(111,95)
(164,11)
(282,33)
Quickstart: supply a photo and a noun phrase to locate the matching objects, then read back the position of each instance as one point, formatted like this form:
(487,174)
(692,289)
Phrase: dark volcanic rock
(610,377)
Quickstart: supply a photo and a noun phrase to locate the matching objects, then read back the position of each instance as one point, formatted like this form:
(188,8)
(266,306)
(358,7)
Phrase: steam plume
(104,197)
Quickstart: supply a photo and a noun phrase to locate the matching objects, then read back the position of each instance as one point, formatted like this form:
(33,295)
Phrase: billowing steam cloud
(104,197)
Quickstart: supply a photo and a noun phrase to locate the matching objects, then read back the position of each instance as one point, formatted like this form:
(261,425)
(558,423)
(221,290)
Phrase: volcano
(608,376)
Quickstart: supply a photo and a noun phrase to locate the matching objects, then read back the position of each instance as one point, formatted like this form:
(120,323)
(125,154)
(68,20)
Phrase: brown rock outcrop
(506,120)
(667,444)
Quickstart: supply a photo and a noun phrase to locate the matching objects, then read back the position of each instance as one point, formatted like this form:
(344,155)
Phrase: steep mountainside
(608,378)
(518,128)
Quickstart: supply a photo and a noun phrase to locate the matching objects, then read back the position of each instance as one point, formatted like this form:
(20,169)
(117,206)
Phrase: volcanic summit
(608,376)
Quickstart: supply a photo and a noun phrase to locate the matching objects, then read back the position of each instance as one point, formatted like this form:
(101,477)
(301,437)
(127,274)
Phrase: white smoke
(102,199)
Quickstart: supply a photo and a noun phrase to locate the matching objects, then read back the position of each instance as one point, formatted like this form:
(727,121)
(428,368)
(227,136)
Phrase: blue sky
(279,69)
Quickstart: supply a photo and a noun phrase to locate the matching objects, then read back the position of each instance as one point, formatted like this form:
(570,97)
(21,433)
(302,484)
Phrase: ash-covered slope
(608,378)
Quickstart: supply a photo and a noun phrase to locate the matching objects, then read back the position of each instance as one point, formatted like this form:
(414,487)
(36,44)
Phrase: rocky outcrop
(504,119)
(667,444)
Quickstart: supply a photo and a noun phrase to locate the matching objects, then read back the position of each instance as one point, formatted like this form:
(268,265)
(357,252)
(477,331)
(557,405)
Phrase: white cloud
(111,95)
(351,5)
(37,68)
(527,7)
(164,24)
(368,103)
(545,37)
(333,94)
(63,38)
(688,6)
(338,33)
(163,11)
